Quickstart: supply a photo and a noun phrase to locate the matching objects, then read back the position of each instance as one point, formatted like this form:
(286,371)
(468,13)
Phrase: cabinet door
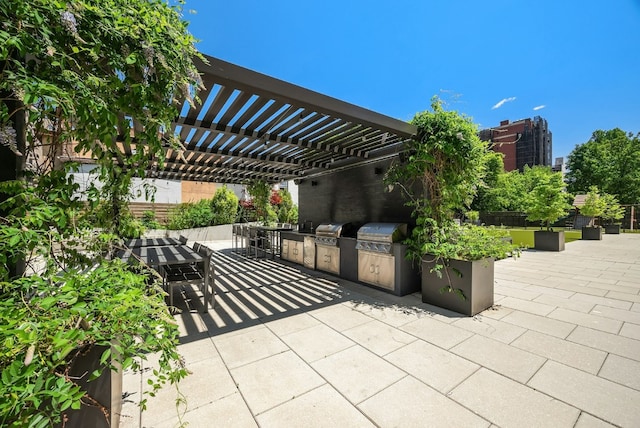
(284,251)
(297,252)
(376,269)
(328,259)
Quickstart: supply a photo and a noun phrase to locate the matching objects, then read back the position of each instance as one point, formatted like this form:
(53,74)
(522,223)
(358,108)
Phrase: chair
(188,273)
(183,240)
(208,274)
(255,241)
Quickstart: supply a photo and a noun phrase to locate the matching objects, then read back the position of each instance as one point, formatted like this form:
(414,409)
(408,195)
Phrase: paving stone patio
(288,347)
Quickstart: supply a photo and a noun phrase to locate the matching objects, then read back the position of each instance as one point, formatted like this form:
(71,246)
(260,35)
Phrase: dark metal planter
(473,278)
(592,233)
(106,390)
(547,240)
(612,229)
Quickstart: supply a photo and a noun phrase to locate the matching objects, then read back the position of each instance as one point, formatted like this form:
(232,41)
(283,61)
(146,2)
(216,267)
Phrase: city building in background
(523,142)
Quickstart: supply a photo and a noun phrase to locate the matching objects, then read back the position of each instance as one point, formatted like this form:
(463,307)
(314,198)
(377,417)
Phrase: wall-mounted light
(314,183)
(377,170)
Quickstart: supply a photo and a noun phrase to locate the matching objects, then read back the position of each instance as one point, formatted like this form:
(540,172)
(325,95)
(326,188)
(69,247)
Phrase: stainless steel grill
(328,233)
(376,260)
(379,237)
(327,248)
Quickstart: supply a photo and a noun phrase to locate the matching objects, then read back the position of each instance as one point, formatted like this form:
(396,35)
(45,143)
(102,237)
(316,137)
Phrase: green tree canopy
(609,160)
(594,205)
(546,199)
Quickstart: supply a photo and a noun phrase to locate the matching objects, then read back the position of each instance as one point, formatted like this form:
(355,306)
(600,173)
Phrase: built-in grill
(379,237)
(327,249)
(380,257)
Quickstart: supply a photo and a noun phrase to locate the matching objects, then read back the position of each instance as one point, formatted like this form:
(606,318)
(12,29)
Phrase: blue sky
(575,63)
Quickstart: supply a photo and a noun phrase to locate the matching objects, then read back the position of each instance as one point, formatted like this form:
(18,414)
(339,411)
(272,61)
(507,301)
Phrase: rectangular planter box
(473,278)
(547,240)
(106,390)
(592,233)
(612,229)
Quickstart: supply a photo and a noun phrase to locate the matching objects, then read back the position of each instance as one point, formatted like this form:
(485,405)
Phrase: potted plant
(612,212)
(546,202)
(69,90)
(438,173)
(594,206)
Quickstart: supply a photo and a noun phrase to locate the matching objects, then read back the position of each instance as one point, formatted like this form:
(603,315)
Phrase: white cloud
(502,101)
(536,108)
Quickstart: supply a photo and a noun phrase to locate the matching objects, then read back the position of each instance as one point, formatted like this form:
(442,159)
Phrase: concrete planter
(473,278)
(592,233)
(547,240)
(612,229)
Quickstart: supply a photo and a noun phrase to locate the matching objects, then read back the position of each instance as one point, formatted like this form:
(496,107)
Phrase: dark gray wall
(356,195)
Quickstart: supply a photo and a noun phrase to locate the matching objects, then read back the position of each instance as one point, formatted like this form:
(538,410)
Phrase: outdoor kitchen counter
(295,235)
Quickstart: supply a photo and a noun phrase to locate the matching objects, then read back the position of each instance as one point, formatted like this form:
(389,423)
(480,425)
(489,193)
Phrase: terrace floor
(288,347)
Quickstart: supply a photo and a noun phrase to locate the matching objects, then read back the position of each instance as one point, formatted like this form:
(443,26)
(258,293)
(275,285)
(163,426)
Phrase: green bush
(224,206)
(287,211)
(129,226)
(149,220)
(189,215)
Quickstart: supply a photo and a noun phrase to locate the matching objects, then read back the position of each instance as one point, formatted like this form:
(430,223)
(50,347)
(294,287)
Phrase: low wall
(212,233)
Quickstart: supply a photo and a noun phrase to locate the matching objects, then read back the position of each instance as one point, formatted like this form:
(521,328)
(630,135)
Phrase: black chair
(186,273)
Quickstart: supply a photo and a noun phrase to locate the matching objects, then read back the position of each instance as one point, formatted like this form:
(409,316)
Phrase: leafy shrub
(224,206)
(149,220)
(129,226)
(189,215)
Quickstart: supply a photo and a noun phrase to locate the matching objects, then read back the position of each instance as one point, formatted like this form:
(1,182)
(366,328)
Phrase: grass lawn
(524,237)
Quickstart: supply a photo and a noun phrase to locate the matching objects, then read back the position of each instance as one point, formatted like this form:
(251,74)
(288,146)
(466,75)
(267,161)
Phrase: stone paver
(600,397)
(285,346)
(410,403)
(378,337)
(507,403)
(357,373)
(607,342)
(436,332)
(541,324)
(507,360)
(434,366)
(621,370)
(272,381)
(317,342)
(321,407)
(571,354)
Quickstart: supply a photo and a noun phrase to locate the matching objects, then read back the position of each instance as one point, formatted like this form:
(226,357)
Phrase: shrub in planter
(612,212)
(457,273)
(546,202)
(77,76)
(438,173)
(594,206)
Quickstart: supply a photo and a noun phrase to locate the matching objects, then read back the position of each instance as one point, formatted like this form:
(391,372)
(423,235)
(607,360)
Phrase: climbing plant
(76,78)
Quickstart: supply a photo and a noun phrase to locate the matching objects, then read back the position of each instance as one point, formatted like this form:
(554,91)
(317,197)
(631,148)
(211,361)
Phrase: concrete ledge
(211,233)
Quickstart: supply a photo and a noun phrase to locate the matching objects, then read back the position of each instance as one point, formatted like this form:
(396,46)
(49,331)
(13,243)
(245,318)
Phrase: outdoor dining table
(166,255)
(151,242)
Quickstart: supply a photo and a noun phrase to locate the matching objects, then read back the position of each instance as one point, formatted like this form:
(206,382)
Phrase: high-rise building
(523,142)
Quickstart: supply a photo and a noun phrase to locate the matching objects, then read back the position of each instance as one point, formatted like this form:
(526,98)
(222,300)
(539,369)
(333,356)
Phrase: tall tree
(609,160)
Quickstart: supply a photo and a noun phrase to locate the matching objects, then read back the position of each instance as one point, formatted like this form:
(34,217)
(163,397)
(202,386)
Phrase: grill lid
(382,232)
(333,230)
